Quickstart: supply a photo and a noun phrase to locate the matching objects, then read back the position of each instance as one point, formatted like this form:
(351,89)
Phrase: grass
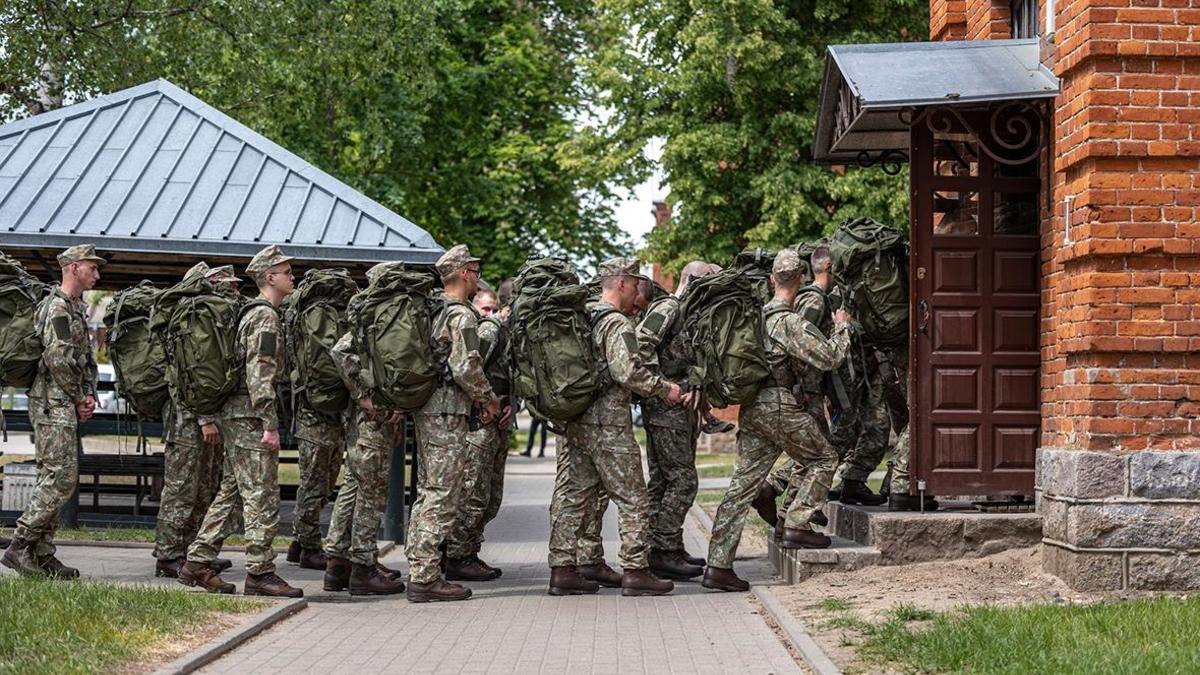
(1151,635)
(835,605)
(135,534)
(85,627)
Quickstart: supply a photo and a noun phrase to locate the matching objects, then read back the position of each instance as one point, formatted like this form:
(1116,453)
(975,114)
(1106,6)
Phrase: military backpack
(137,355)
(20,342)
(755,265)
(315,317)
(198,328)
(495,357)
(723,319)
(870,261)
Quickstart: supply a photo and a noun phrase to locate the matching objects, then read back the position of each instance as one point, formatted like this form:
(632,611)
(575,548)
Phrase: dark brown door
(975,329)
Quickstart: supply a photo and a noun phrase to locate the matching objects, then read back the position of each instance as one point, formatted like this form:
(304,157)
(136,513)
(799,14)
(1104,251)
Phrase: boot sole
(335,588)
(722,587)
(361,593)
(435,598)
(674,576)
(632,593)
(794,547)
(270,595)
(559,592)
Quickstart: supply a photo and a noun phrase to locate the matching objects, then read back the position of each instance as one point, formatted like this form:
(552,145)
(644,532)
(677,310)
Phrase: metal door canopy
(865,88)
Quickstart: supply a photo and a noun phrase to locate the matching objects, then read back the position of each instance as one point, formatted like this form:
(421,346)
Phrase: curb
(211,651)
(143,544)
(809,650)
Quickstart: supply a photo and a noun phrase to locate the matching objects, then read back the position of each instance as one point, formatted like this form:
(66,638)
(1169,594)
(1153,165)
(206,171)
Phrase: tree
(732,86)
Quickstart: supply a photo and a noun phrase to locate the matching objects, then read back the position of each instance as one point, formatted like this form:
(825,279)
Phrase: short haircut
(645,287)
(609,283)
(484,292)
(821,259)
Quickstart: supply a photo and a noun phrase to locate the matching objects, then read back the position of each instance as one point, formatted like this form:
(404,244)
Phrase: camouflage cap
(454,260)
(787,264)
(199,269)
(374,272)
(80,253)
(266,259)
(621,267)
(222,273)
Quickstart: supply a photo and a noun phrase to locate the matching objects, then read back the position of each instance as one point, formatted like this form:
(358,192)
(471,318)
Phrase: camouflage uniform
(66,377)
(444,441)
(901,484)
(602,454)
(251,469)
(776,423)
(483,487)
(320,441)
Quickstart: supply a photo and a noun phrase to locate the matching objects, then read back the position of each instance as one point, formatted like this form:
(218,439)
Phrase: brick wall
(947,20)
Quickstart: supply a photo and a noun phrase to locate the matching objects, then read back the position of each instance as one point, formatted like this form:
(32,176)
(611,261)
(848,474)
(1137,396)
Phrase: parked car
(108,401)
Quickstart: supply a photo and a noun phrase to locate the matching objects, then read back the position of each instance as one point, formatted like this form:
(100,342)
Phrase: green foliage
(835,604)
(732,87)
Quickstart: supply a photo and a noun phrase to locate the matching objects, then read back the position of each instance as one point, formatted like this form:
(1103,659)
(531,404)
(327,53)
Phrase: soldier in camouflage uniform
(444,440)
(351,546)
(899,498)
(483,487)
(192,466)
(320,443)
(62,397)
(251,424)
(777,423)
(602,452)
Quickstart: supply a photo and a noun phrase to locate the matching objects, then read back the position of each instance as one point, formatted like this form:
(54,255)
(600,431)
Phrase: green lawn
(86,627)
(1151,635)
(137,534)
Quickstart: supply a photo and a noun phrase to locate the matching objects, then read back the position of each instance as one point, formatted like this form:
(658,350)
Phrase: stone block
(918,538)
(1165,475)
(1085,571)
(999,532)
(1164,572)
(1081,474)
(1138,525)
(1054,519)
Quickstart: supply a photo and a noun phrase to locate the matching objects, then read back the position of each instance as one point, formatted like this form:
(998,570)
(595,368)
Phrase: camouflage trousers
(321,442)
(442,450)
(251,479)
(191,477)
(772,425)
(358,511)
(594,460)
(56,447)
(901,479)
(482,490)
(671,457)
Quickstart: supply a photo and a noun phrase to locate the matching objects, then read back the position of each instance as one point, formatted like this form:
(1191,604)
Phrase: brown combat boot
(635,583)
(312,559)
(437,590)
(54,569)
(466,569)
(721,579)
(270,585)
(337,574)
(168,569)
(19,556)
(366,580)
(566,581)
(293,554)
(392,574)
(857,492)
(499,572)
(764,503)
(201,575)
(803,538)
(601,574)
(671,565)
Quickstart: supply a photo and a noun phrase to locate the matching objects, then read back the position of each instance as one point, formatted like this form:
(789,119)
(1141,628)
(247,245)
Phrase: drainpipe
(1050,27)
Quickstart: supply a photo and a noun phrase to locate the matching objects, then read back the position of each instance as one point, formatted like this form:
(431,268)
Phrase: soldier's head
(486,302)
(822,267)
(272,273)
(459,272)
(619,280)
(787,272)
(223,278)
(694,270)
(80,269)
(645,293)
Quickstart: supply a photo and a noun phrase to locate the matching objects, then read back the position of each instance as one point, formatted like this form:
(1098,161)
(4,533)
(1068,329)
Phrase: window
(1024,18)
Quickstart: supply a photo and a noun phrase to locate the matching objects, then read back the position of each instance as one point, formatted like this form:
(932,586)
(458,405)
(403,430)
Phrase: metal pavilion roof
(866,85)
(152,173)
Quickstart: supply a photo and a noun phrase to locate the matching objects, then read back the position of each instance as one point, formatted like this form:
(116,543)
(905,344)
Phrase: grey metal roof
(881,79)
(154,169)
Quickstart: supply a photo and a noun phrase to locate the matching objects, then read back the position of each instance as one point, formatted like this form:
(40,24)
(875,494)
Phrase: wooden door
(974,396)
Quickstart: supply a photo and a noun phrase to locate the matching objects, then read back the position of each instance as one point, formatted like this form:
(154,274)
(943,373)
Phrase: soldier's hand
(271,438)
(395,418)
(675,395)
(490,411)
(841,316)
(368,406)
(690,400)
(506,415)
(211,433)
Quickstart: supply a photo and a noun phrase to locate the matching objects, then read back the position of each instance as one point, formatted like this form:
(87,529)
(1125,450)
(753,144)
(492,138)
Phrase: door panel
(975,368)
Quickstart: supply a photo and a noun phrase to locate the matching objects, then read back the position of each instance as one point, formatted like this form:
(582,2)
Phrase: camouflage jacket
(667,350)
(67,371)
(615,340)
(369,432)
(801,346)
(259,347)
(456,338)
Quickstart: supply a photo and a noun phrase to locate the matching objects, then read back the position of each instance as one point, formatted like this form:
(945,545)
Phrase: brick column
(988,20)
(1119,467)
(947,20)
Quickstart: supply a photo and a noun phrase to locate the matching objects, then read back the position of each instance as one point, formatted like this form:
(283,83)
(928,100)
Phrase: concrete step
(796,565)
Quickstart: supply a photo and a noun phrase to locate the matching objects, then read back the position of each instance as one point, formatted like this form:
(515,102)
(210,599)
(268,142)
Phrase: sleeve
(346,359)
(63,358)
(806,343)
(466,365)
(260,337)
(621,352)
(652,329)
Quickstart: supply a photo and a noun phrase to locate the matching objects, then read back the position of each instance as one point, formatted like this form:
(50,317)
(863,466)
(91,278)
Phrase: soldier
(352,547)
(484,484)
(191,471)
(250,423)
(62,397)
(443,428)
(777,423)
(899,498)
(602,454)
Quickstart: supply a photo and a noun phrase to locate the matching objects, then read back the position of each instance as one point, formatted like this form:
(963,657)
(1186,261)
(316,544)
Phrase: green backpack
(392,321)
(870,261)
(550,342)
(136,352)
(755,264)
(198,329)
(723,319)
(314,320)
(495,358)
(20,344)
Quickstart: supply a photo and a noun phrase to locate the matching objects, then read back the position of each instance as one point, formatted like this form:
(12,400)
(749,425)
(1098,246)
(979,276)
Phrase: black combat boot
(691,559)
(601,574)
(466,569)
(437,590)
(721,579)
(635,583)
(366,580)
(670,565)
(337,574)
(54,569)
(19,556)
(270,585)
(764,503)
(387,572)
(168,569)
(312,559)
(293,554)
(857,492)
(221,564)
(565,580)
(803,538)
(499,572)
(898,502)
